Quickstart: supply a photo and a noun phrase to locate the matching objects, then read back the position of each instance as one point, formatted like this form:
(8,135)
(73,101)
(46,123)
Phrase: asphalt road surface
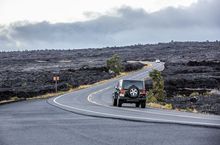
(87,117)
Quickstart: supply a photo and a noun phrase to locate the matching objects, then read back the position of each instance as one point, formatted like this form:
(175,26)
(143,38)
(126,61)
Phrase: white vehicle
(157,61)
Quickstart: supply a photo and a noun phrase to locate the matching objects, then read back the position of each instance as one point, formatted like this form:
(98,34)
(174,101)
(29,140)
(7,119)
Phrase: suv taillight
(122,92)
(143,92)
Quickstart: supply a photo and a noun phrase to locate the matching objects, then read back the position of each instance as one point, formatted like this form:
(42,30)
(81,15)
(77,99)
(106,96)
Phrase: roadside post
(56,79)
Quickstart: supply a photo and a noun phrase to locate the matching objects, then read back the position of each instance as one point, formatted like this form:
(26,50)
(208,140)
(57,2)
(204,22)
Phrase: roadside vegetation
(157,94)
(196,101)
(114,64)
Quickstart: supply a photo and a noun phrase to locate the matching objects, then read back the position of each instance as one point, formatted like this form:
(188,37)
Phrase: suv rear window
(128,83)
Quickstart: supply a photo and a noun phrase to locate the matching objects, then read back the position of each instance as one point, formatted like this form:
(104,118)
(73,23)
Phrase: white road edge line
(130,117)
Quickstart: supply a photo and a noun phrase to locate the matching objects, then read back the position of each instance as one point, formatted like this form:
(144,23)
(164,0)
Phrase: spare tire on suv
(129,91)
(133,92)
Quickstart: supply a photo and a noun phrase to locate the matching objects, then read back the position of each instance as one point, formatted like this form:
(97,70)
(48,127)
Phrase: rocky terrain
(188,77)
(205,103)
(26,77)
(189,67)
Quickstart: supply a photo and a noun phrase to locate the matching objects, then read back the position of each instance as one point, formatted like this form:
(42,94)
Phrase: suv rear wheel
(137,104)
(114,102)
(143,104)
(119,102)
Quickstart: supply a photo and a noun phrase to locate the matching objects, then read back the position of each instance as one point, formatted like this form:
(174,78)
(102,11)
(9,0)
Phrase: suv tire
(143,104)
(137,104)
(133,92)
(119,102)
(114,102)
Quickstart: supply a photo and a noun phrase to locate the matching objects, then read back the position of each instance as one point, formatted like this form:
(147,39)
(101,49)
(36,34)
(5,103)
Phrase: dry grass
(170,107)
(49,95)
(187,110)
(160,106)
(13,99)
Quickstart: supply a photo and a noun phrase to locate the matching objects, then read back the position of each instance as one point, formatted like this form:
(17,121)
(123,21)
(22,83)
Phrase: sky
(66,24)
(74,10)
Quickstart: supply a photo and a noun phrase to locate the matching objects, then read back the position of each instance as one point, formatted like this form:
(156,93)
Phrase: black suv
(129,91)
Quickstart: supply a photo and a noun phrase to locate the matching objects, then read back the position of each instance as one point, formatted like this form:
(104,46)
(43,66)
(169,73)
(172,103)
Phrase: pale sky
(64,24)
(74,10)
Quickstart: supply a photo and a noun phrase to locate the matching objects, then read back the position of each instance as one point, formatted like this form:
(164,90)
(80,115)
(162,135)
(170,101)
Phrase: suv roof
(131,80)
(128,83)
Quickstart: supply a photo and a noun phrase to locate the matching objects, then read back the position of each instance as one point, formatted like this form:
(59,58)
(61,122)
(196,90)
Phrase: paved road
(40,123)
(97,101)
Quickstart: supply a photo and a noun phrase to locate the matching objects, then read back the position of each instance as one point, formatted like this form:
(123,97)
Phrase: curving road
(87,117)
(96,101)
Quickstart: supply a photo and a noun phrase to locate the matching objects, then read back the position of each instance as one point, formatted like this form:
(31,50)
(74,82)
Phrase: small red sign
(56,78)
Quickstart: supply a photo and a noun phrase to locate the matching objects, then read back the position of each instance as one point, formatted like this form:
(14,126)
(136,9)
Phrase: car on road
(157,61)
(129,91)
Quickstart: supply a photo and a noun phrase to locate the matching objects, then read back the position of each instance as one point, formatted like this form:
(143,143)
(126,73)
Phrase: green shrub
(158,85)
(114,64)
(151,98)
(69,86)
